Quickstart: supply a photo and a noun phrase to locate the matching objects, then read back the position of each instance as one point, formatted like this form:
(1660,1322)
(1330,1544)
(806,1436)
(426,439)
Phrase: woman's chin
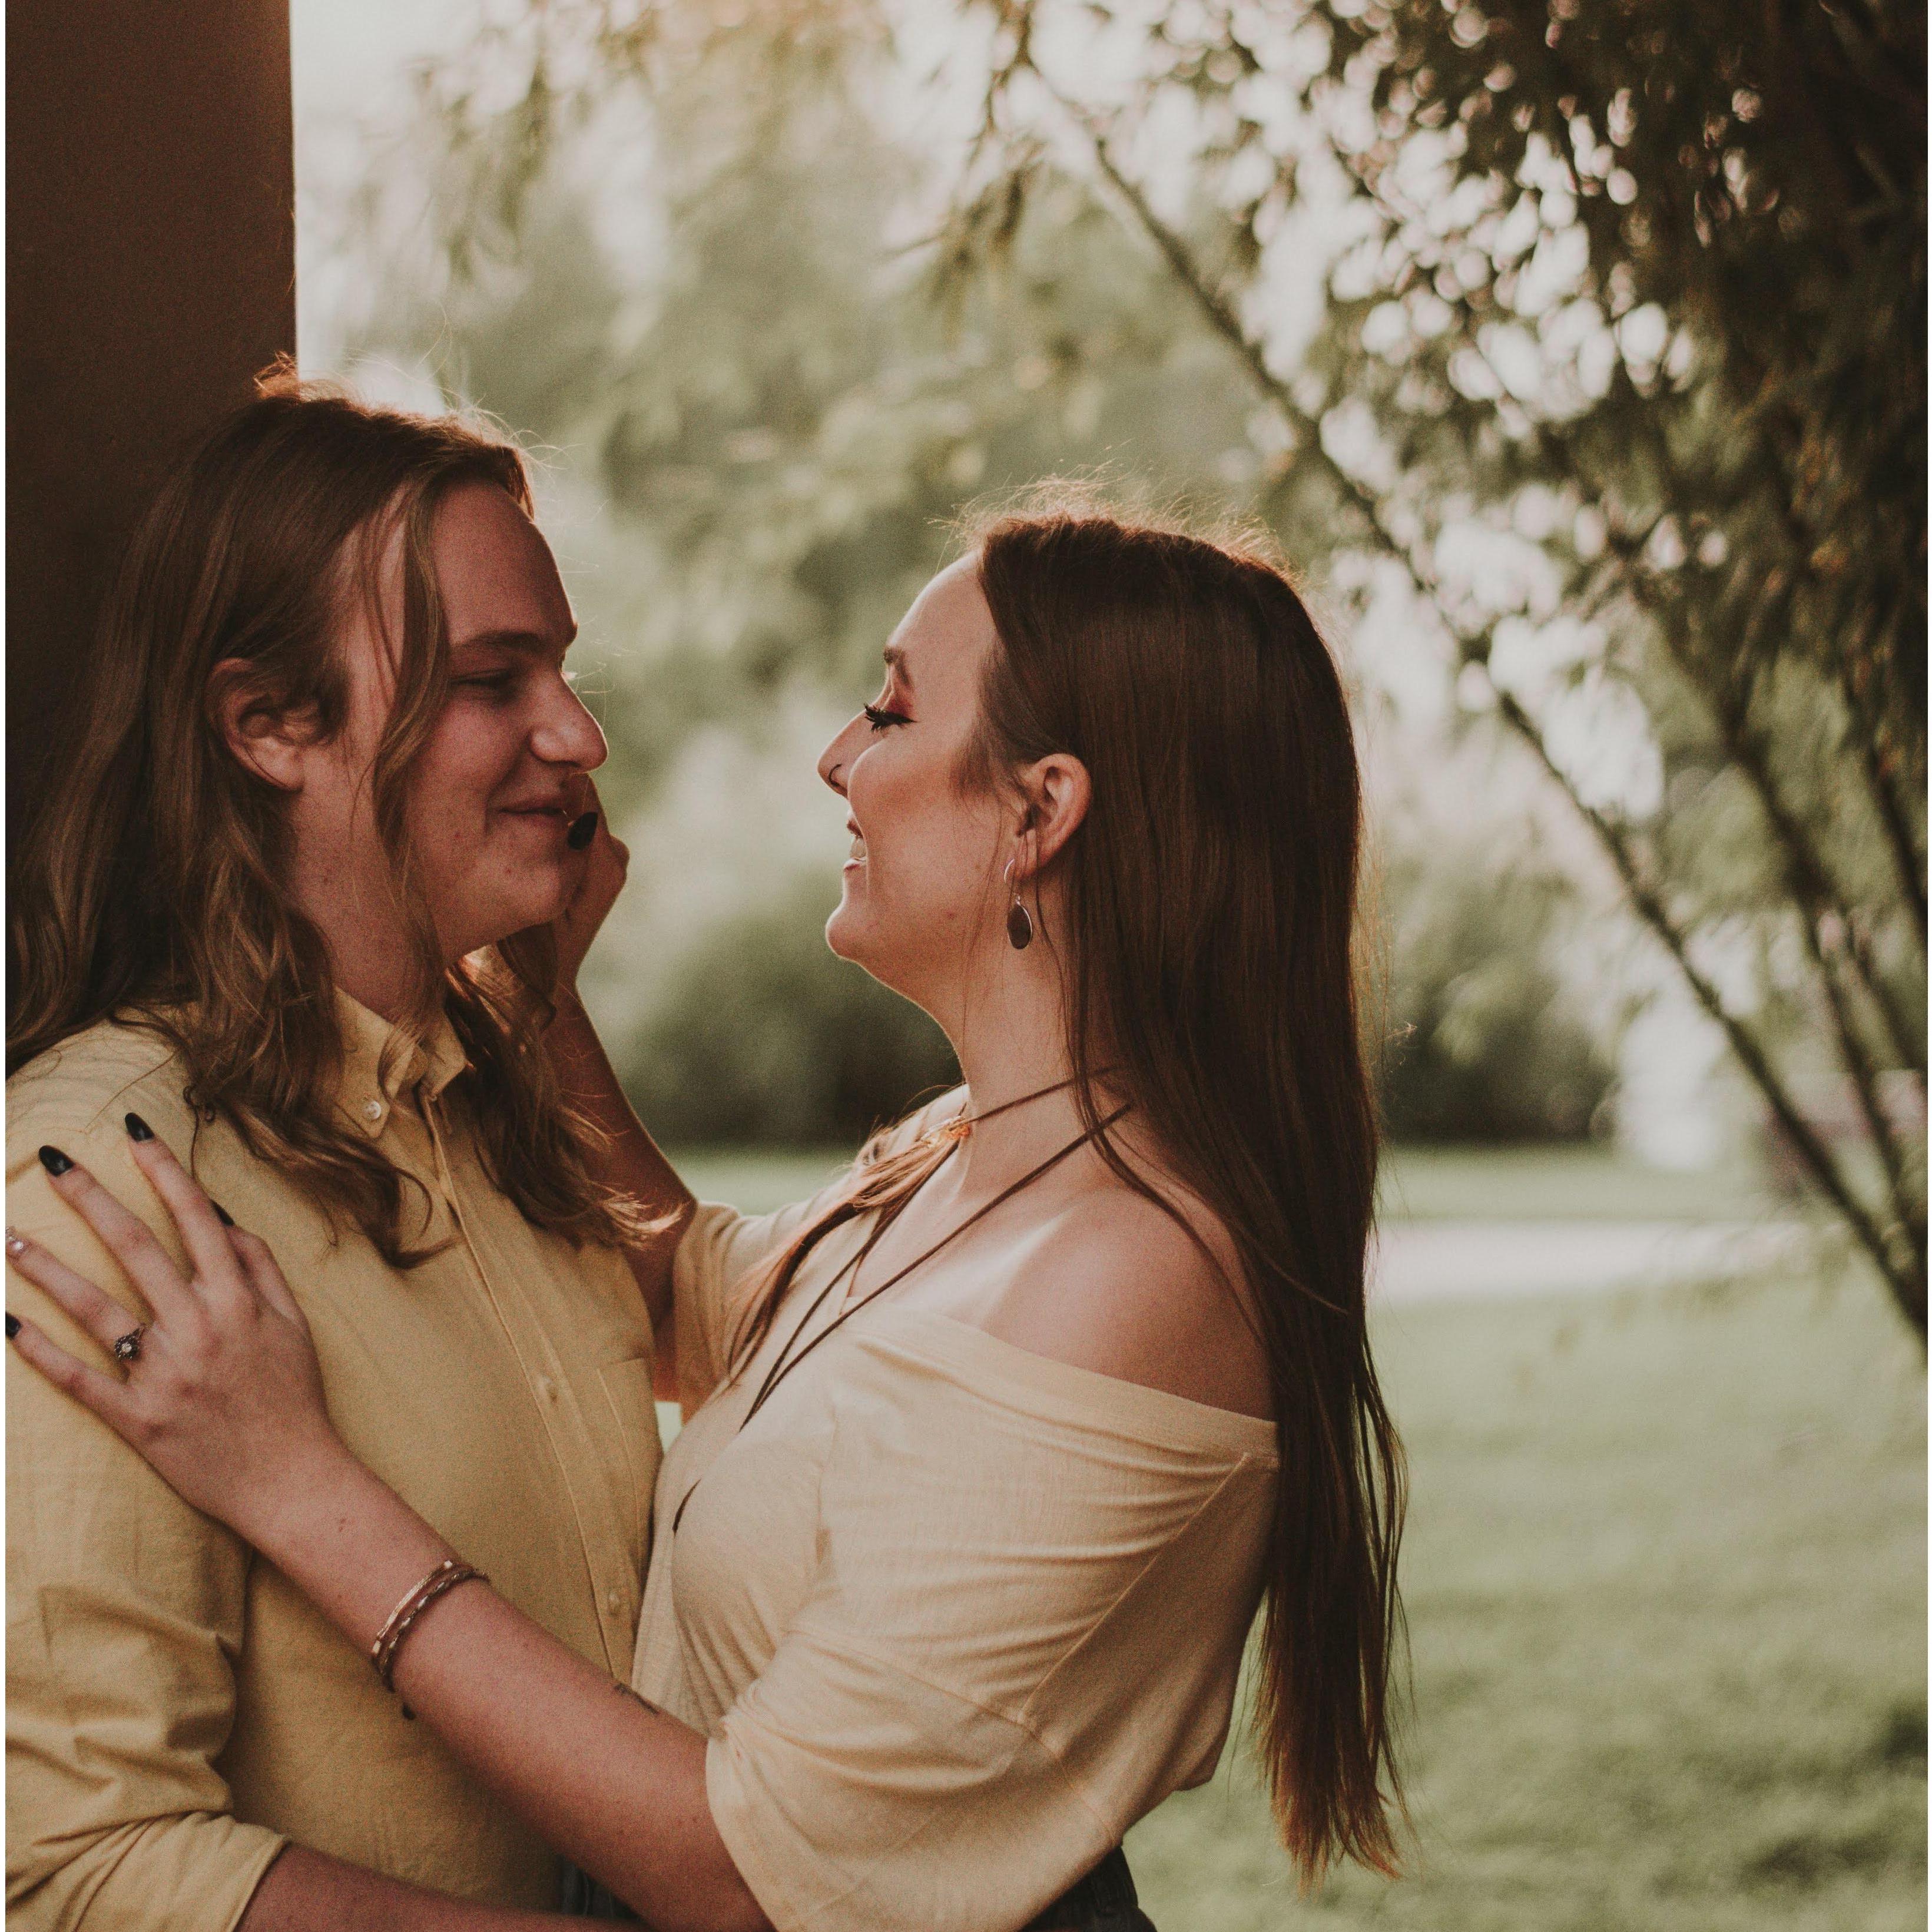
(853,930)
(841,929)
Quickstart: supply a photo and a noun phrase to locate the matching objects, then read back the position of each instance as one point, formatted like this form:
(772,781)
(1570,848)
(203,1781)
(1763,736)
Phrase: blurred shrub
(762,1035)
(1484,1042)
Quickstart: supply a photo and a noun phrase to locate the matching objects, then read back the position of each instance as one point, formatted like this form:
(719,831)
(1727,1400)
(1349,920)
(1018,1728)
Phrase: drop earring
(1019,921)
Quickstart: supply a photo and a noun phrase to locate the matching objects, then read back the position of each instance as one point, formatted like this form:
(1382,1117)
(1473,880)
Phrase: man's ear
(274,746)
(1058,792)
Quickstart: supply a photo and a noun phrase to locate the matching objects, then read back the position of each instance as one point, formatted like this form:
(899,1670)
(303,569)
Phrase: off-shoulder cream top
(953,1614)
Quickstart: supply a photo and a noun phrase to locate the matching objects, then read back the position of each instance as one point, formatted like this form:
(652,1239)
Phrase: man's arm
(125,1608)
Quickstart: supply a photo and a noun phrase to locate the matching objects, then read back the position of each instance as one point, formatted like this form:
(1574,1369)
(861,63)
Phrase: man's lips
(553,810)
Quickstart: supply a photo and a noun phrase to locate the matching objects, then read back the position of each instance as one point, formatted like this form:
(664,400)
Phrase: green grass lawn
(1665,1577)
(1538,1184)
(1587,1183)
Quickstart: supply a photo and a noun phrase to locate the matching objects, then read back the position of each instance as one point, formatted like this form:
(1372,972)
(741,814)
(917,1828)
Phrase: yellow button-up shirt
(176,1712)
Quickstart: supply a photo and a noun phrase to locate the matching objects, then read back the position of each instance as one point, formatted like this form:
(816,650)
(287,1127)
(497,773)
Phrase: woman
(996,1444)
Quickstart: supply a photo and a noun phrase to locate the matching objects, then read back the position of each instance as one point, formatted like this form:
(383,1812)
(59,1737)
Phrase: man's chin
(529,919)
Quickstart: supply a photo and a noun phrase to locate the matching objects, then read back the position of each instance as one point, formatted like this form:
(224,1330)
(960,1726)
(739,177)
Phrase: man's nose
(567,734)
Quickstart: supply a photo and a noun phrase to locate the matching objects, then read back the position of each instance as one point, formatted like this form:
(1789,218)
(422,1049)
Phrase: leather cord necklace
(787,1361)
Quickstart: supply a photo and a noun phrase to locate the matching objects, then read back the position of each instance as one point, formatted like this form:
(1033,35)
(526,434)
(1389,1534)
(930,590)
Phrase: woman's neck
(1012,1044)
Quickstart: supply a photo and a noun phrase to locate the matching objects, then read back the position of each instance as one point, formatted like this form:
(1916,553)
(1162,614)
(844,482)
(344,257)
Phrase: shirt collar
(381,1062)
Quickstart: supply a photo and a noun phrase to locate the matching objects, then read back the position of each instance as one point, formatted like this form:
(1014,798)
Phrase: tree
(1643,286)
(1589,292)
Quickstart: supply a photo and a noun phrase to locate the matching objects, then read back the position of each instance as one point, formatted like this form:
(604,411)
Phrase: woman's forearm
(629,1160)
(607,1780)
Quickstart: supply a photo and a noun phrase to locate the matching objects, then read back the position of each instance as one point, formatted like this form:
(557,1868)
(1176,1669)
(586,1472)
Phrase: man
(318,864)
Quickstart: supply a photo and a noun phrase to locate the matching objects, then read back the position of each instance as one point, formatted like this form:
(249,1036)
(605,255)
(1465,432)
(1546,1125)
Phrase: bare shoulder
(1117,1285)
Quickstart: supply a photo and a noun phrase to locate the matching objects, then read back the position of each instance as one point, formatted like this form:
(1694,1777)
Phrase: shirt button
(546,1388)
(614,1601)
(372,1110)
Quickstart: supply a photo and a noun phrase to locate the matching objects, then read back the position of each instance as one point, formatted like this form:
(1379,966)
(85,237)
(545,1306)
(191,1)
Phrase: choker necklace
(961,1126)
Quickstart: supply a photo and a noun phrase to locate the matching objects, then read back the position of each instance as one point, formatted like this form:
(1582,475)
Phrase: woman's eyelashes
(880,719)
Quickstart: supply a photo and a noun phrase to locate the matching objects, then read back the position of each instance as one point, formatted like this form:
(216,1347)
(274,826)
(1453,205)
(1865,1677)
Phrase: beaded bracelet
(443,1578)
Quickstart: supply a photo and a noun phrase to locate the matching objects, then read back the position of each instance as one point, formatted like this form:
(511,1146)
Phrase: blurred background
(1574,352)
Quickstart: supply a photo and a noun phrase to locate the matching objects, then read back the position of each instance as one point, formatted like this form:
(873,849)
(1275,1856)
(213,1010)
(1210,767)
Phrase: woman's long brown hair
(1209,970)
(150,886)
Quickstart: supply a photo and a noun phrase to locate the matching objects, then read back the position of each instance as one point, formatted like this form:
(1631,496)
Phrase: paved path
(1440,1261)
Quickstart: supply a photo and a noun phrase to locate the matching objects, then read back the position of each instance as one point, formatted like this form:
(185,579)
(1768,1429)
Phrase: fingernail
(16,1243)
(54,1161)
(13,1327)
(227,1219)
(138,1130)
(582,831)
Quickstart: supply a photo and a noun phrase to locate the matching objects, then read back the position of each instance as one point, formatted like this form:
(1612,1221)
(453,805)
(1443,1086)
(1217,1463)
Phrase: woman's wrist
(349,1543)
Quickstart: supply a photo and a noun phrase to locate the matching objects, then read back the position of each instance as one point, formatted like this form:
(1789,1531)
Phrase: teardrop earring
(1019,921)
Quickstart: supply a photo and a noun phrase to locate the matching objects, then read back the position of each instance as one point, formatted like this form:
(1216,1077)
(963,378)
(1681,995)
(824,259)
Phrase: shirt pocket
(626,1382)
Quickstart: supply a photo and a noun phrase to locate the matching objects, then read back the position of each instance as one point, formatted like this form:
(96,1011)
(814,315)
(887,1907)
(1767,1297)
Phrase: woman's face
(501,776)
(922,889)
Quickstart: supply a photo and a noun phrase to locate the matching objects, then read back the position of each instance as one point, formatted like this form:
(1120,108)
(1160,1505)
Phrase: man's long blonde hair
(151,885)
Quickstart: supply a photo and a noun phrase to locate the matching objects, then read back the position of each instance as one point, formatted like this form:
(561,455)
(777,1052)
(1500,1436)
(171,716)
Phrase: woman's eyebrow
(896,661)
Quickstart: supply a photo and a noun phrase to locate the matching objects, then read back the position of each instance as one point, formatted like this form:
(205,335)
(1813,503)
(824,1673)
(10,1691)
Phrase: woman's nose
(567,734)
(836,758)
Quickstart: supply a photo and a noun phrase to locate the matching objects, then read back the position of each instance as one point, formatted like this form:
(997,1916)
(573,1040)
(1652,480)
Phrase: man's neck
(370,953)
(371,959)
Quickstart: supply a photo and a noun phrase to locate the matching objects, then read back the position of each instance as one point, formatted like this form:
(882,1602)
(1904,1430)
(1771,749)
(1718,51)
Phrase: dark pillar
(150,272)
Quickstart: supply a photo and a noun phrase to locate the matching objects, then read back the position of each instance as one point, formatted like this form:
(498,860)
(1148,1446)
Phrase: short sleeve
(1023,1633)
(124,1608)
(719,1255)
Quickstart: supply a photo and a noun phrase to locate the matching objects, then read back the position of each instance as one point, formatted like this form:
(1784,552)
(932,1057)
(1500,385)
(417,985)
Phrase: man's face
(494,789)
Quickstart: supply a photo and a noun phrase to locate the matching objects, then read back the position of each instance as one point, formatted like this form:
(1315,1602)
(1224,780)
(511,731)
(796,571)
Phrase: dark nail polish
(138,1130)
(13,1327)
(582,831)
(226,1219)
(54,1161)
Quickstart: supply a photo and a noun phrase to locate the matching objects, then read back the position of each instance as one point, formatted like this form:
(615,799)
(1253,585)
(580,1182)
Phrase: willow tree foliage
(1642,285)
(1596,326)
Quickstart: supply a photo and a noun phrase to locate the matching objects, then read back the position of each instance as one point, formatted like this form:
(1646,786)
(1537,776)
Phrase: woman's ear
(1058,791)
(271,745)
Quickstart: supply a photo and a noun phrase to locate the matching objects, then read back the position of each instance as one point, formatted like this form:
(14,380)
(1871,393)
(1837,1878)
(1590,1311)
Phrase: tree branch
(1905,1280)
(1811,878)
